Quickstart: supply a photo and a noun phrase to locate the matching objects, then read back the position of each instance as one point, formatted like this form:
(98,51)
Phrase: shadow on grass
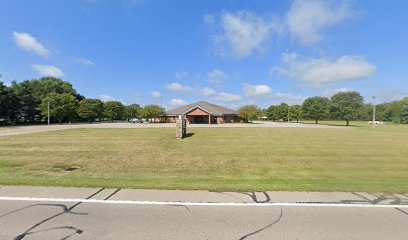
(332,124)
(189,135)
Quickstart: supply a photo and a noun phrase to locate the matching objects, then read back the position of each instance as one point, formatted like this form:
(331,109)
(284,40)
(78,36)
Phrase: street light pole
(373,111)
(48,107)
(288,113)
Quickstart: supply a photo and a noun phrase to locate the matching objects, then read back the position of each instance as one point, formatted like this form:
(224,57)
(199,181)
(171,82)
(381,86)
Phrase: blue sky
(226,52)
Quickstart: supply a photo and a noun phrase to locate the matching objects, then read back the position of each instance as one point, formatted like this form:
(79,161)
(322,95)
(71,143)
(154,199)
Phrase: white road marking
(213,204)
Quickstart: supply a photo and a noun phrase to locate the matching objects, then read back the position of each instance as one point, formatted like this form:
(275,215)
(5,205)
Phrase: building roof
(212,109)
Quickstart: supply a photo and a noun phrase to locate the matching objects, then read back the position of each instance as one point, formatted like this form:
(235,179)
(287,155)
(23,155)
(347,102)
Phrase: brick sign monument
(181,127)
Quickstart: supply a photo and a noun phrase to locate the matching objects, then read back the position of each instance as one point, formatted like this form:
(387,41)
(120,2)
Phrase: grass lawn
(234,159)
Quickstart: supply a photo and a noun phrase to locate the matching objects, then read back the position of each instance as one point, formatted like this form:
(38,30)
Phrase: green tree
(28,107)
(295,112)
(90,109)
(61,106)
(113,110)
(366,112)
(152,111)
(316,108)
(46,85)
(404,113)
(272,113)
(346,105)
(383,112)
(8,104)
(395,110)
(31,92)
(282,111)
(250,112)
(132,111)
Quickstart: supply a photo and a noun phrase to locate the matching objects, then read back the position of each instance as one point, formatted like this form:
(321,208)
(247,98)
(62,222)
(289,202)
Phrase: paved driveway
(44,128)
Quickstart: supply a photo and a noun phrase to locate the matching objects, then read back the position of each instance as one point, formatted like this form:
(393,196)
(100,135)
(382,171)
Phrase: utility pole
(48,107)
(373,111)
(288,113)
(161,101)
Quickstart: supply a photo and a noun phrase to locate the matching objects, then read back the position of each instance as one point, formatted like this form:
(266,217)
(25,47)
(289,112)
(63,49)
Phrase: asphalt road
(34,217)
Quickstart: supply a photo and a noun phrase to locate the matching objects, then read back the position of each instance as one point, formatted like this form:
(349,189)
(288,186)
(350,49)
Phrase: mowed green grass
(228,159)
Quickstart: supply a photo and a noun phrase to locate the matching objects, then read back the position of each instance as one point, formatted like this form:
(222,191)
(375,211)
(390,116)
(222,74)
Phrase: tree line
(31,100)
(28,101)
(346,106)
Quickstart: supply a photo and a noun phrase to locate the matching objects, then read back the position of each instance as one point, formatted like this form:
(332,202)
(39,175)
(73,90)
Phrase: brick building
(203,112)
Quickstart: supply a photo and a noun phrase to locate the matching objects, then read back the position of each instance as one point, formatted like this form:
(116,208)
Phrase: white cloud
(176,102)
(29,43)
(290,98)
(256,90)
(242,33)
(7,84)
(331,92)
(177,87)
(388,95)
(155,94)
(181,74)
(227,97)
(216,75)
(85,62)
(307,18)
(47,70)
(208,91)
(318,72)
(107,98)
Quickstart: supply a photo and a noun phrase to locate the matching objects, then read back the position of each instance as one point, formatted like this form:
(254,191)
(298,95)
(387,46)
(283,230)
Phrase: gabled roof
(205,106)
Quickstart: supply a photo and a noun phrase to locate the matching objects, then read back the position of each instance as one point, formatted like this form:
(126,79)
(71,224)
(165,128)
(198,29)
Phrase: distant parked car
(136,120)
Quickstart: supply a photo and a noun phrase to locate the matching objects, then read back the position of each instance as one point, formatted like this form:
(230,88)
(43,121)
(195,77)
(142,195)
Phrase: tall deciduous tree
(366,112)
(283,111)
(250,112)
(295,112)
(113,110)
(393,110)
(90,109)
(8,104)
(132,111)
(152,111)
(28,103)
(61,106)
(346,105)
(404,113)
(46,85)
(316,108)
(272,113)
(31,92)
